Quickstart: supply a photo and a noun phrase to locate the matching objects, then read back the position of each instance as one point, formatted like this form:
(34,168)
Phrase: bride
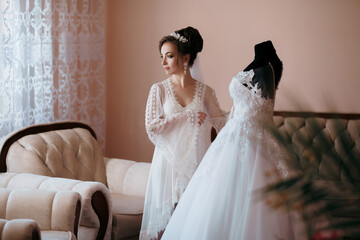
(179,114)
(219,201)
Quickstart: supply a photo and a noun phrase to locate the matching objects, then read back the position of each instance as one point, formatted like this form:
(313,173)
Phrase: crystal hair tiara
(178,37)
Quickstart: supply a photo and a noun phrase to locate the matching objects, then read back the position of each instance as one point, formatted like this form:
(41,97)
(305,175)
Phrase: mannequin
(265,53)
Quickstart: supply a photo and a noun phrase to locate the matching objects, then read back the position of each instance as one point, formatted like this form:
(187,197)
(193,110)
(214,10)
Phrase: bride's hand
(202,117)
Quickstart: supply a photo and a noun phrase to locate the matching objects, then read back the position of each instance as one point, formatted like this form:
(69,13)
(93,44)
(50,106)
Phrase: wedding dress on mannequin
(219,202)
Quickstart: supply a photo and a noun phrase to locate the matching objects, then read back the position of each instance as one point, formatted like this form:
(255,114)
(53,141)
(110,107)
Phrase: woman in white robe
(180,112)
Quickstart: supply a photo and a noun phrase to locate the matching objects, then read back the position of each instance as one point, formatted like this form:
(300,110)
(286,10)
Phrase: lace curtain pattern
(52,63)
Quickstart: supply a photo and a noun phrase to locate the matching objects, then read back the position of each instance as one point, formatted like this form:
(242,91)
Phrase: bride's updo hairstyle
(187,41)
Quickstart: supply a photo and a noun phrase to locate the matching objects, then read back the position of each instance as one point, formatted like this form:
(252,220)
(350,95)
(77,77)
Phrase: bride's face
(170,59)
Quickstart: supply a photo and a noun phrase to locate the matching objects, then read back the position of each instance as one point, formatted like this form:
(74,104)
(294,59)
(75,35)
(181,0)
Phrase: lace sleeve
(217,116)
(156,122)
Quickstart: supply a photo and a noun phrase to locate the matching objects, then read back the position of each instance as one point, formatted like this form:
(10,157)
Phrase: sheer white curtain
(52,56)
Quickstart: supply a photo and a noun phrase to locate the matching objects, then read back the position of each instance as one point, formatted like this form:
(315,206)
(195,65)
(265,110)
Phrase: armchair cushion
(57,235)
(127,204)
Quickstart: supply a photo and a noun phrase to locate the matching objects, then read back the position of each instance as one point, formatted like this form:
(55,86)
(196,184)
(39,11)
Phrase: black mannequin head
(265,53)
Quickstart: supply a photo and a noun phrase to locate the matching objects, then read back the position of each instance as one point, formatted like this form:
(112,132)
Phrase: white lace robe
(180,144)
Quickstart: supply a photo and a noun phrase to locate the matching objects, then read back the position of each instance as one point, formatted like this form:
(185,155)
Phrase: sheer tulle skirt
(219,202)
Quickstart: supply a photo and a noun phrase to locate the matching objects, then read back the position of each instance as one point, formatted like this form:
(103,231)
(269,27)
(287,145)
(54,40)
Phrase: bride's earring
(185,67)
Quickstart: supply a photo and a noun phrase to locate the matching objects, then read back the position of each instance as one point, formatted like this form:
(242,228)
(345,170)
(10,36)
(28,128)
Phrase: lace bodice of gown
(255,111)
(249,104)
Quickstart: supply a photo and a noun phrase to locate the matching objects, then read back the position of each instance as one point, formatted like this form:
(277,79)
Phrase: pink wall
(318,41)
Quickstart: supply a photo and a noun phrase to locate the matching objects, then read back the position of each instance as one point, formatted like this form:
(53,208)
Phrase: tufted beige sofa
(26,212)
(314,135)
(67,156)
(327,140)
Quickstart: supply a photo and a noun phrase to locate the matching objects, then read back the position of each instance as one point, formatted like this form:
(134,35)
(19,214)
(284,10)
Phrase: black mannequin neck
(257,63)
(265,53)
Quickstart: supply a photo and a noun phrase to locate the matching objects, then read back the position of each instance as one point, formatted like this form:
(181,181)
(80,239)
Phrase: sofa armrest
(127,177)
(96,214)
(52,210)
(19,229)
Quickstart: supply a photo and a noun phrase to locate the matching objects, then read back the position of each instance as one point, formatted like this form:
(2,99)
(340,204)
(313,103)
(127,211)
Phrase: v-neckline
(172,90)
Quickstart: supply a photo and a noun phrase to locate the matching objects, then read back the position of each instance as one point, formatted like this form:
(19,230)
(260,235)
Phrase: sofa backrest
(127,177)
(62,149)
(329,141)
